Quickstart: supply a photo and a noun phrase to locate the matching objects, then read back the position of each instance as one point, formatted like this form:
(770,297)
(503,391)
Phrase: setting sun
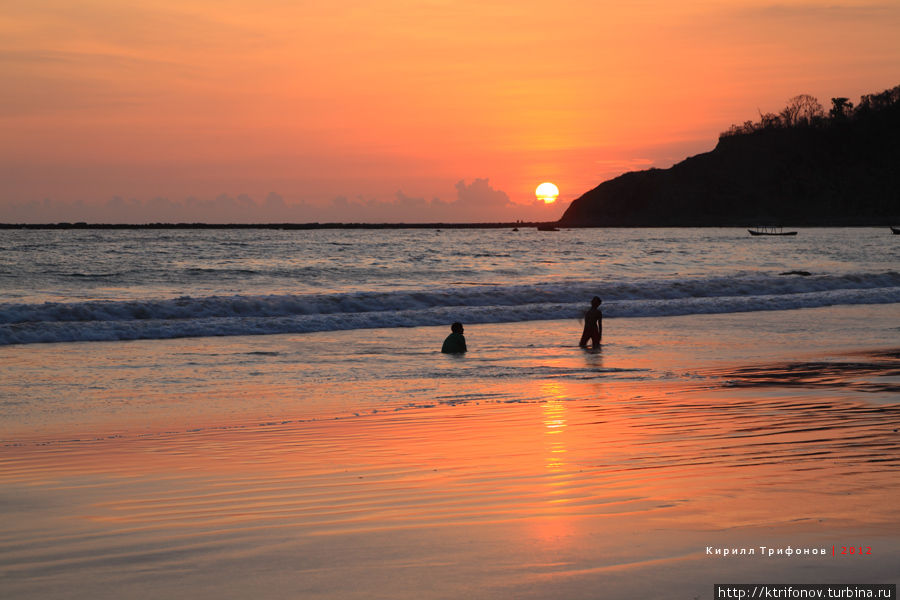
(547,192)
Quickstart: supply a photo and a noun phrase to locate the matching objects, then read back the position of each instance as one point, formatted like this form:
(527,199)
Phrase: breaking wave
(255,315)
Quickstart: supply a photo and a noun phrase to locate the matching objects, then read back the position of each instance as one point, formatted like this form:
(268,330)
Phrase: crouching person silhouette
(456,341)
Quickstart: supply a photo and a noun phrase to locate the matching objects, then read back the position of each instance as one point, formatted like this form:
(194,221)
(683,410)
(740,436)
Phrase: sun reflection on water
(554,418)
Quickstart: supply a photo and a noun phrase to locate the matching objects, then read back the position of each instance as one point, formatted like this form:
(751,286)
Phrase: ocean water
(69,286)
(227,414)
(100,330)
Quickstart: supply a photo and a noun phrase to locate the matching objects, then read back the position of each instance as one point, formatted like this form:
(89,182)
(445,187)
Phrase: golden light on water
(547,192)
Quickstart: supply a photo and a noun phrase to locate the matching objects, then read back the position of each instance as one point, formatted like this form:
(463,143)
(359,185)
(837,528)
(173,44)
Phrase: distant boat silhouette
(895,230)
(547,228)
(765,230)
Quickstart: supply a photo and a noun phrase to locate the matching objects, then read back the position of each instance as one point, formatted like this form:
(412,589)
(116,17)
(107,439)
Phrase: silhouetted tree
(802,110)
(841,108)
(881,101)
(770,121)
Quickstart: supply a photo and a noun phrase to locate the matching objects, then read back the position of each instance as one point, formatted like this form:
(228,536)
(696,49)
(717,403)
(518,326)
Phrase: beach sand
(526,469)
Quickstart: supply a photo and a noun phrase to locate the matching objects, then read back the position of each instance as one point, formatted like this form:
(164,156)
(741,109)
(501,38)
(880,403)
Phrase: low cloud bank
(474,202)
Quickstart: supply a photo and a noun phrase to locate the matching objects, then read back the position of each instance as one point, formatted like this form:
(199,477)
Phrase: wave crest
(254,315)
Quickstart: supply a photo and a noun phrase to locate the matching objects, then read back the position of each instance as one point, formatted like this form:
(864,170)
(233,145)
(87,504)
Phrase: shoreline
(852,375)
(165,385)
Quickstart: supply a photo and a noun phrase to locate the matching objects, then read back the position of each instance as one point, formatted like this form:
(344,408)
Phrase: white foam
(253,315)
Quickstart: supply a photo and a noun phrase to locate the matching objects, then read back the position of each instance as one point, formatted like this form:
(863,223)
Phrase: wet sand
(608,482)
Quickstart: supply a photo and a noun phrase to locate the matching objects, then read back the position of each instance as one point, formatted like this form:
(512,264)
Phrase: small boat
(766,230)
(547,228)
(895,230)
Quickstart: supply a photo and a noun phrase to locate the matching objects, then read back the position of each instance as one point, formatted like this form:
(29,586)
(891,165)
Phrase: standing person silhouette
(456,341)
(593,324)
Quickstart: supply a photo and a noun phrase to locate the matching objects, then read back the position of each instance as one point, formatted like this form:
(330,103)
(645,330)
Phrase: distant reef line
(287,226)
(802,166)
(514,225)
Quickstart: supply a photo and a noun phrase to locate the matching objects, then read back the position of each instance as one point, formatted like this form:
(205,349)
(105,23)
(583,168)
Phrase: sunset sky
(394,110)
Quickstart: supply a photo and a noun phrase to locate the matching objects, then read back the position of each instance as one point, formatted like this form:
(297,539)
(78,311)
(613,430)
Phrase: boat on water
(547,228)
(895,230)
(766,230)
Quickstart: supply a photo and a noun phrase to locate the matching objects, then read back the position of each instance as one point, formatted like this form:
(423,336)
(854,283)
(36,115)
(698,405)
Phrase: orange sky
(393,110)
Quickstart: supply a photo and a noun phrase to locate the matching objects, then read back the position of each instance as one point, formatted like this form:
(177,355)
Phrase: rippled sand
(558,485)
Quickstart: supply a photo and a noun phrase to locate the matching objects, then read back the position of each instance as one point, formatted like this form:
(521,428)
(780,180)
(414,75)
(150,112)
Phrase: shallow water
(76,389)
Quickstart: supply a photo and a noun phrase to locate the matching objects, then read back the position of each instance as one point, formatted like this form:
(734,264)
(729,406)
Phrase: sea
(114,285)
(177,329)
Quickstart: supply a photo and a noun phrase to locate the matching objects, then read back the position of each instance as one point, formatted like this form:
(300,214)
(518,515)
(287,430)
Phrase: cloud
(475,201)
(410,202)
(480,194)
(274,201)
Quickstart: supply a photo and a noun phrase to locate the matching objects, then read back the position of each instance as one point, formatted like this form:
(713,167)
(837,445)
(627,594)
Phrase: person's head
(596,301)
(456,327)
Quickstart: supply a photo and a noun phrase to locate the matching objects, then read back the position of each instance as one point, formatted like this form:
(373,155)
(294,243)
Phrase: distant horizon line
(274,225)
(431,225)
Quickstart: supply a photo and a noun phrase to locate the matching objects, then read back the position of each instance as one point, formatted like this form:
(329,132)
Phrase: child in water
(593,324)
(456,341)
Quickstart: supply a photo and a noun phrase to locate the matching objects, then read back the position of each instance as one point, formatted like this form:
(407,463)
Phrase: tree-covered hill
(802,166)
